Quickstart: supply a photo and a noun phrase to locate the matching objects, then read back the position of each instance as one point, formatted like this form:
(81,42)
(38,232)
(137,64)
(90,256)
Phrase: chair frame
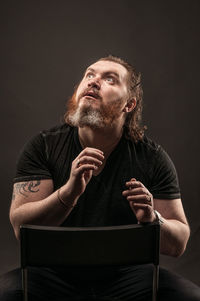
(60,246)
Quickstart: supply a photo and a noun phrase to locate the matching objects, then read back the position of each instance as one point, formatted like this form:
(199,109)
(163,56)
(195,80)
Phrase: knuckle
(86,149)
(141,185)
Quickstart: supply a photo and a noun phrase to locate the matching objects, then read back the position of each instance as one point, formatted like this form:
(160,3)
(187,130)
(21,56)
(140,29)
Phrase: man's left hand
(140,200)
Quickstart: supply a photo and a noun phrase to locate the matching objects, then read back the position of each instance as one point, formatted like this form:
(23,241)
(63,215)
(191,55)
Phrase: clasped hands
(138,196)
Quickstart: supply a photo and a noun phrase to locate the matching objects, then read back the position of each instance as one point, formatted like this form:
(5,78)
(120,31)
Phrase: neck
(103,139)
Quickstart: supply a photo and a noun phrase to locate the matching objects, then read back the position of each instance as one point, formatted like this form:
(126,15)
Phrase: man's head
(109,92)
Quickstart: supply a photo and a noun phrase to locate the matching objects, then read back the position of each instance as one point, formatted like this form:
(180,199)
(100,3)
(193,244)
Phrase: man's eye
(90,75)
(110,79)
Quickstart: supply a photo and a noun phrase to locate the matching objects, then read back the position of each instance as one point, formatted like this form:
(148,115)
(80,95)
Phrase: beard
(87,115)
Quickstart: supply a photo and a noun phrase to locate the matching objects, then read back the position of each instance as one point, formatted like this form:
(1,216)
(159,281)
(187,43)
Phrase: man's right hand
(36,202)
(84,164)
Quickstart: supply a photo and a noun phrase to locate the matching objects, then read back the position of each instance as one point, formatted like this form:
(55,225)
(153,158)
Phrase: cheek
(113,95)
(109,93)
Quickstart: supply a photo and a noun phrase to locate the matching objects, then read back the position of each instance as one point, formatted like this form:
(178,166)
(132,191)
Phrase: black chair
(100,246)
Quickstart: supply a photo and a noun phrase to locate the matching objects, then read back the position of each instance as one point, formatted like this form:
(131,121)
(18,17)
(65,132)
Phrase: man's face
(104,83)
(101,95)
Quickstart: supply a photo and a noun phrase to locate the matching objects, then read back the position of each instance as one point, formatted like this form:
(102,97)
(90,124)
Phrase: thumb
(87,176)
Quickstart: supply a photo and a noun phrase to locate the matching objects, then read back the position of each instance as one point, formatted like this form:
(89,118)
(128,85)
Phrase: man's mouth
(91,94)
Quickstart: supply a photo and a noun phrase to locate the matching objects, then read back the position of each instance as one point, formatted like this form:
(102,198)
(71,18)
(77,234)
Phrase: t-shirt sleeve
(32,162)
(164,183)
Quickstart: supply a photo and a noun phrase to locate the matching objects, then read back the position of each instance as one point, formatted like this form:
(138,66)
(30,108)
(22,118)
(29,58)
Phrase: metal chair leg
(25,283)
(155,282)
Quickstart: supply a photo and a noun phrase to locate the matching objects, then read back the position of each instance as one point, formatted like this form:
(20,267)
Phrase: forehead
(109,67)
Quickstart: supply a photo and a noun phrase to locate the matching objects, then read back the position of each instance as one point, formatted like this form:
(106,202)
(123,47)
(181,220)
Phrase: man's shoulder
(57,130)
(148,145)
(40,140)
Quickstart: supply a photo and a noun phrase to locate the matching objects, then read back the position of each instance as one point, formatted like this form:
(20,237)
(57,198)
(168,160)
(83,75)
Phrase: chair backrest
(89,246)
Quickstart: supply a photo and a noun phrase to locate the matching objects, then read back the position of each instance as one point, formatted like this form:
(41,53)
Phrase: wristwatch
(159,218)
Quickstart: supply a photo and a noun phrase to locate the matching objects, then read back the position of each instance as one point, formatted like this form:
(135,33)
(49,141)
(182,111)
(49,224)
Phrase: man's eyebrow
(112,73)
(89,69)
(105,73)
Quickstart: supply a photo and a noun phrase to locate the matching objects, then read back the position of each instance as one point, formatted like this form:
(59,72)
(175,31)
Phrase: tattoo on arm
(23,188)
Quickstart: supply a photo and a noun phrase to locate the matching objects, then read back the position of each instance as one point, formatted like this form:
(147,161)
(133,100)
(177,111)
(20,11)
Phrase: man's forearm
(174,237)
(48,211)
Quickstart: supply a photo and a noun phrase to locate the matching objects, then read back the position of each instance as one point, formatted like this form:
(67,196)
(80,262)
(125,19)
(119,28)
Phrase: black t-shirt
(49,155)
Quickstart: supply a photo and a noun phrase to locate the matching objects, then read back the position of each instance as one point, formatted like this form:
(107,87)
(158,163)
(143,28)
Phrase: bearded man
(99,169)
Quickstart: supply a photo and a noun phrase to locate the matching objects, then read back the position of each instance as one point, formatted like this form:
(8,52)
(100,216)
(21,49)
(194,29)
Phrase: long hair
(133,123)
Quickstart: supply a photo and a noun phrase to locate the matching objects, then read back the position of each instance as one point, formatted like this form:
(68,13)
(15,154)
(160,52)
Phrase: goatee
(87,115)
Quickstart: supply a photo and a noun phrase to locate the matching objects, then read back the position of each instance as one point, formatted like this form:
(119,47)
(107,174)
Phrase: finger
(134,184)
(85,168)
(88,160)
(93,149)
(135,191)
(92,152)
(140,206)
(87,175)
(144,198)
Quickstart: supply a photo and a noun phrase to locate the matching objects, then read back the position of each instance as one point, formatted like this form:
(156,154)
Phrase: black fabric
(49,155)
(127,284)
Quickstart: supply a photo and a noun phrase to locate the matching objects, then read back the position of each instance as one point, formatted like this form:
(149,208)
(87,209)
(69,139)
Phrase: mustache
(92,92)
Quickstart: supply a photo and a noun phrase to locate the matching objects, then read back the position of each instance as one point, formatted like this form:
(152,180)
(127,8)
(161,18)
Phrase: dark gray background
(45,46)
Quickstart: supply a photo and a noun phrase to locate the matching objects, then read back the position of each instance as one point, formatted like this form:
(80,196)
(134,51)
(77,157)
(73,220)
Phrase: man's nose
(94,83)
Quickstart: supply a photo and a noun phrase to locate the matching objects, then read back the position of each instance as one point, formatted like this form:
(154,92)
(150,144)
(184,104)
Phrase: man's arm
(175,230)
(38,205)
(34,202)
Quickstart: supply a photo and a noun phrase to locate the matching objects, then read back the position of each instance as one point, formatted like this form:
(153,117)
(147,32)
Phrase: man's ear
(130,105)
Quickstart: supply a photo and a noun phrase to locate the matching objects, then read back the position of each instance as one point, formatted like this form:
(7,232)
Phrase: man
(99,169)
